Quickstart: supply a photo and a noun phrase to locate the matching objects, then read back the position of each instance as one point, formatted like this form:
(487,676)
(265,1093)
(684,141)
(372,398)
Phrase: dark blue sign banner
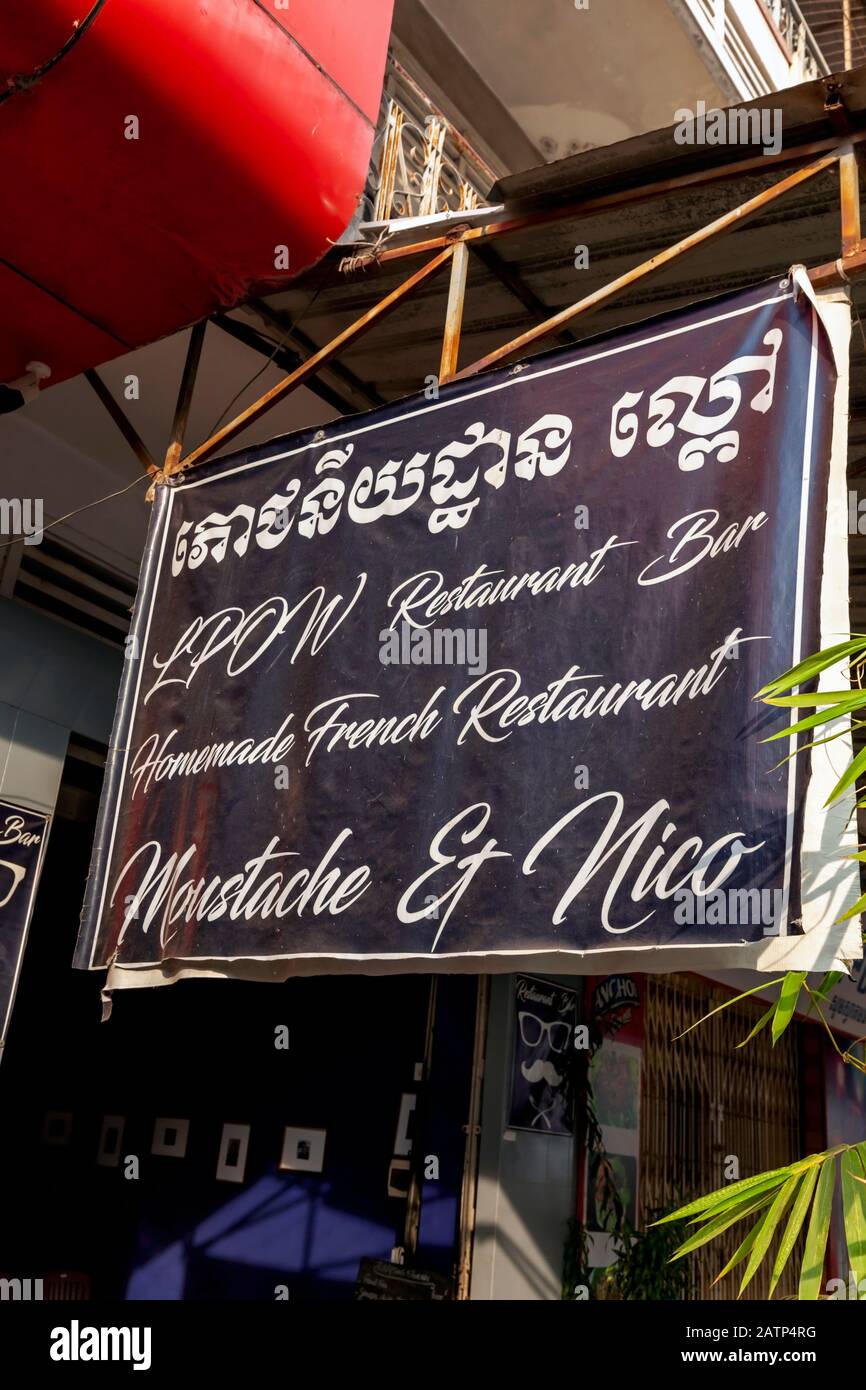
(467,682)
(23,835)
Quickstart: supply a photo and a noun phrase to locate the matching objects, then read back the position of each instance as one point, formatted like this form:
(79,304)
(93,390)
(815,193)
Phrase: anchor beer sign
(467,683)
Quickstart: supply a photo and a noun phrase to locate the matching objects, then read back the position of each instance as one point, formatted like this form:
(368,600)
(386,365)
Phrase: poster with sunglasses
(542,1080)
(22,844)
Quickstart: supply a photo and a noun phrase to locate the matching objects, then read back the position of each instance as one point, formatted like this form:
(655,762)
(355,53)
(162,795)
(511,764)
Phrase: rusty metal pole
(847,46)
(312,364)
(712,229)
(849,201)
(580,207)
(854,264)
(454,313)
(836,272)
(184,398)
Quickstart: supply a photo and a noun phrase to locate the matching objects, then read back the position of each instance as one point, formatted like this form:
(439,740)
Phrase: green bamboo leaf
(767,1229)
(787,1002)
(854,770)
(854,1205)
(830,981)
(812,1270)
(726,1005)
(817,697)
(812,665)
(723,1196)
(725,1207)
(795,1222)
(721,1223)
(811,721)
(859,906)
(739,1254)
(739,1199)
(713,1203)
(803,1163)
(815,743)
(759,1026)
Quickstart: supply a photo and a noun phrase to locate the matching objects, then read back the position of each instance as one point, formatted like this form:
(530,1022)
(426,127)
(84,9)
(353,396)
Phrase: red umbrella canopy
(162,160)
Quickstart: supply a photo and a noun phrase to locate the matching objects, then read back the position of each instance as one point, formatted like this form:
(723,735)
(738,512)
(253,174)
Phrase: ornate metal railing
(420,164)
(805,53)
(743,52)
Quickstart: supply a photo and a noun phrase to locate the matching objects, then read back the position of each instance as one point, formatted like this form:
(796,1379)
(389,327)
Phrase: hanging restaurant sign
(542,1069)
(467,682)
(23,835)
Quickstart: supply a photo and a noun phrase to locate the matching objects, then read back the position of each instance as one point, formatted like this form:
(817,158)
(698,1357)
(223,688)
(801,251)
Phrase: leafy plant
(792,1191)
(577,1273)
(643,1268)
(779,1201)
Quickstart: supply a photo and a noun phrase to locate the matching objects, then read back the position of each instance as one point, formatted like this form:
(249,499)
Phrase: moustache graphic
(539,1070)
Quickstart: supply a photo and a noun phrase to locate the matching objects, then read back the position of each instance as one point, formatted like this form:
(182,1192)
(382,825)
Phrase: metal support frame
(184,397)
(454,246)
(284,358)
(849,201)
(312,364)
(343,379)
(454,313)
(626,197)
(126,427)
(591,301)
(834,272)
(490,257)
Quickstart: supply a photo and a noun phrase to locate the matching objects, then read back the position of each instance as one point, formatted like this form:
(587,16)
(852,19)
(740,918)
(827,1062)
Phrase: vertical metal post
(849,200)
(433,148)
(413,1202)
(383,206)
(469,1186)
(454,312)
(184,398)
(847,46)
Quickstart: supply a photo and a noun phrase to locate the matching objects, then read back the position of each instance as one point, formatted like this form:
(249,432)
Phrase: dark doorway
(84,1190)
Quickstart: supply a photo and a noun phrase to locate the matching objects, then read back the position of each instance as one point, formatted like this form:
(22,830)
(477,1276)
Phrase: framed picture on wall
(110,1141)
(542,1072)
(169,1138)
(303,1150)
(232,1160)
